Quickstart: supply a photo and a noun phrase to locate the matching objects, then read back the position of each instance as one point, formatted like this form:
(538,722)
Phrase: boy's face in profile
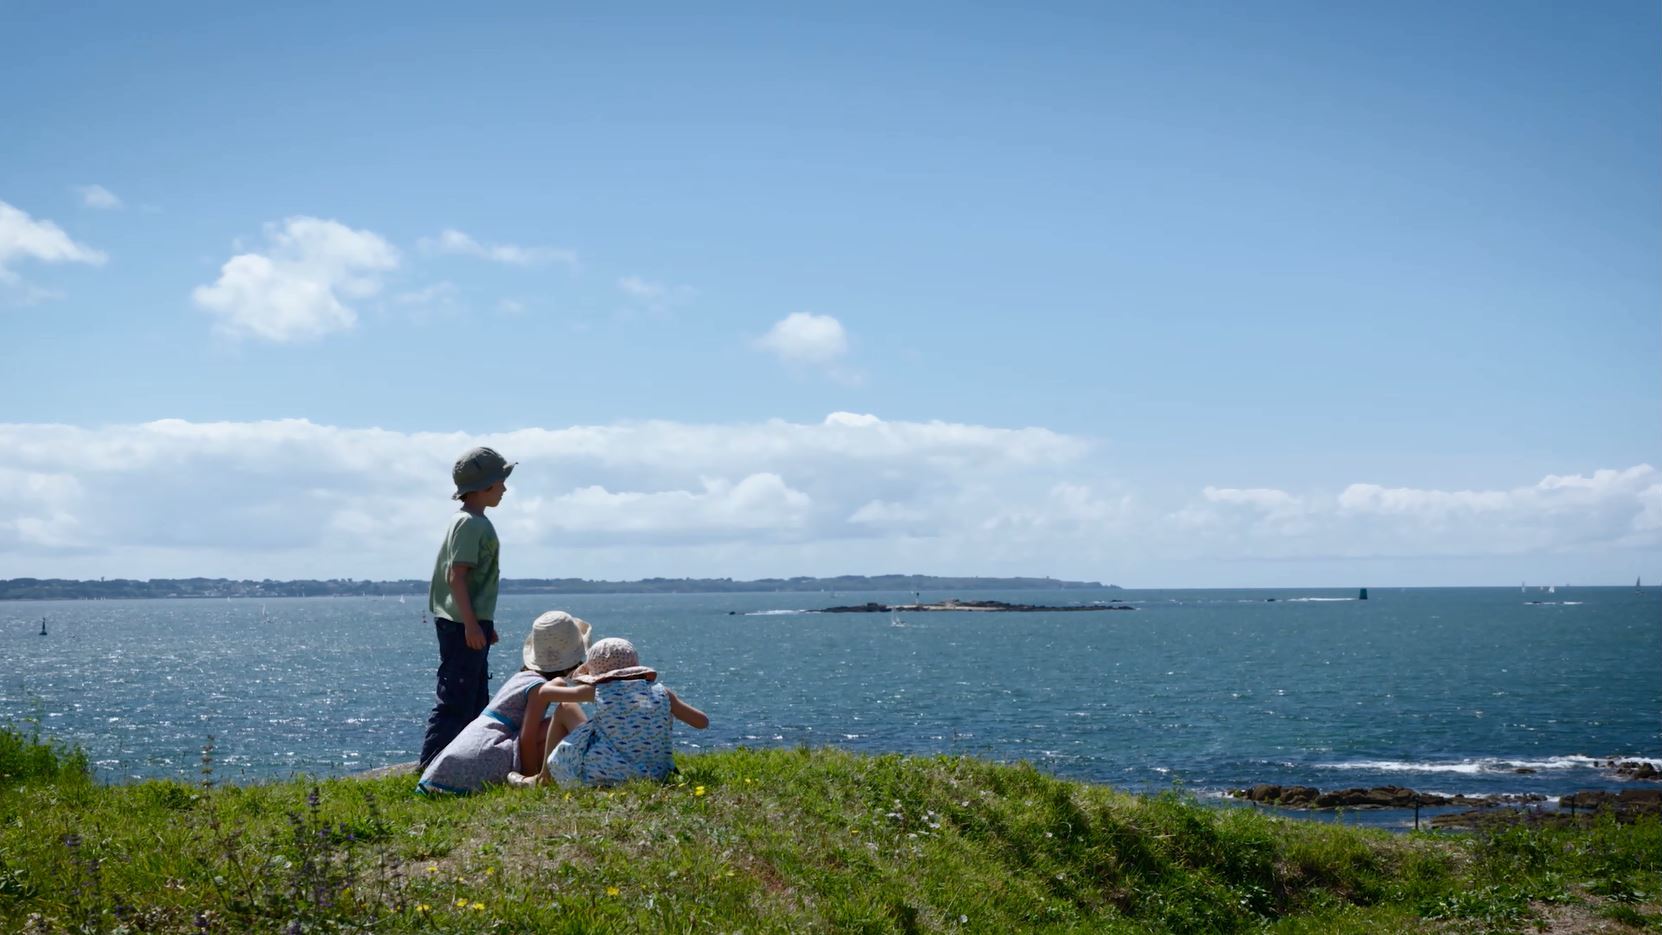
(493,493)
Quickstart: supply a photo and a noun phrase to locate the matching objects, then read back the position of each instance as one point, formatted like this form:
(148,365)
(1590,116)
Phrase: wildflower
(432,868)
(698,790)
(612,891)
(489,871)
(963,920)
(423,907)
(478,907)
(461,903)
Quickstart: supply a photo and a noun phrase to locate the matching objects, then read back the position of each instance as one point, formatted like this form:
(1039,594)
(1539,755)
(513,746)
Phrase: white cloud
(803,337)
(364,502)
(849,493)
(25,238)
(654,297)
(97,196)
(455,242)
(1613,508)
(293,290)
(439,293)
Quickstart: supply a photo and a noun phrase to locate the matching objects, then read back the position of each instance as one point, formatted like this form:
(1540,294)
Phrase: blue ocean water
(1449,690)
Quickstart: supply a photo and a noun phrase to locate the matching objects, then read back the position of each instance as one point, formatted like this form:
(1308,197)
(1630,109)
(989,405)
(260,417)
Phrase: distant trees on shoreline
(128,588)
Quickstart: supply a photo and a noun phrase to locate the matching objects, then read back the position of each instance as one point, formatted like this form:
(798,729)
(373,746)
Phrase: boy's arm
(471,630)
(686,713)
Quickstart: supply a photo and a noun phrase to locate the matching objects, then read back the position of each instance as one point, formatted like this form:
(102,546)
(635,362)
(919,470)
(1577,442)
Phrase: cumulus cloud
(24,238)
(1612,508)
(292,492)
(297,287)
(451,241)
(97,196)
(850,493)
(803,337)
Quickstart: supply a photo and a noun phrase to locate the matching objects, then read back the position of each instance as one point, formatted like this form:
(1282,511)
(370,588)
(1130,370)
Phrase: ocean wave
(1472,767)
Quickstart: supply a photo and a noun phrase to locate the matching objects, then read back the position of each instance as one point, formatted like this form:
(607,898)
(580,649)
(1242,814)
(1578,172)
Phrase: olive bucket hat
(477,469)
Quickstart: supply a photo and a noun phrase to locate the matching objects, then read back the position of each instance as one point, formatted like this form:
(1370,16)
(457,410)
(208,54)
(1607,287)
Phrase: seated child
(628,737)
(510,732)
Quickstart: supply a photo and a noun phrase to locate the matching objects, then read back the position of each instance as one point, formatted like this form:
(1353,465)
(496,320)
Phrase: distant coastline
(39,589)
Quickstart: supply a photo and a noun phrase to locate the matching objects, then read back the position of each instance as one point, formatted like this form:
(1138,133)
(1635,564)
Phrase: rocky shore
(1376,797)
(1625,805)
(872,607)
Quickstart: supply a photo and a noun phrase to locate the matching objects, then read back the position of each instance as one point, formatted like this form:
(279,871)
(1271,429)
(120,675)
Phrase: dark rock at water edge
(1376,797)
(1632,769)
(1581,807)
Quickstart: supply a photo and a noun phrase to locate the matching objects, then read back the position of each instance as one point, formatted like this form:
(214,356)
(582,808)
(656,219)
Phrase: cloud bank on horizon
(852,493)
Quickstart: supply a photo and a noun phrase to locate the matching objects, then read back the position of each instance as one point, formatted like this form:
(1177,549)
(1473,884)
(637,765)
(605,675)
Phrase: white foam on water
(773,613)
(1472,767)
(1324,600)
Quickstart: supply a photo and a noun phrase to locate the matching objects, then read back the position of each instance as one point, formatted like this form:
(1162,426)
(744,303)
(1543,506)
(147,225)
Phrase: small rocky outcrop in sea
(1631,769)
(872,607)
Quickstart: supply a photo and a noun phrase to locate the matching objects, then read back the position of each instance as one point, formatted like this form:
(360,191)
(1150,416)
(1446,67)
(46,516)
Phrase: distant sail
(43,626)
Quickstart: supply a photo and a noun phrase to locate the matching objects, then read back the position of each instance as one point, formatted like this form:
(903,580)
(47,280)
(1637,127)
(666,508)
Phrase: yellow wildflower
(461,903)
(423,907)
(612,891)
(698,790)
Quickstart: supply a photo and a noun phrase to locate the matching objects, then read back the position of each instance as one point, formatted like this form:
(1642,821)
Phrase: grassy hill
(770,841)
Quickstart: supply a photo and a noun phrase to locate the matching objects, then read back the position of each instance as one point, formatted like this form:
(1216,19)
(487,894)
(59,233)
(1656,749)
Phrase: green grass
(766,841)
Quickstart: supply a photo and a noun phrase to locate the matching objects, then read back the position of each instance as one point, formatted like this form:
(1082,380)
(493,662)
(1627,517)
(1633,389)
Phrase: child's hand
(475,636)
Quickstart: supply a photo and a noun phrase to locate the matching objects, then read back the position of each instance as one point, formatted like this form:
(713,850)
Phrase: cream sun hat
(614,659)
(557,642)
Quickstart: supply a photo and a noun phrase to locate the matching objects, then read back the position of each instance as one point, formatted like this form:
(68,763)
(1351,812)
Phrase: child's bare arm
(686,713)
(556,693)
(472,632)
(531,729)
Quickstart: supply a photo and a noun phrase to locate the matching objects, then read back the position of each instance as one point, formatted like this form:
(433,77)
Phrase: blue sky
(1240,268)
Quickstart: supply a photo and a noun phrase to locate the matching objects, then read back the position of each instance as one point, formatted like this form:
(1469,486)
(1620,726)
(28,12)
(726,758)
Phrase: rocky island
(872,607)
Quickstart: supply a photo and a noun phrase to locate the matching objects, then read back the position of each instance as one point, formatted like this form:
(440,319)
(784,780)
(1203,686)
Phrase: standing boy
(462,598)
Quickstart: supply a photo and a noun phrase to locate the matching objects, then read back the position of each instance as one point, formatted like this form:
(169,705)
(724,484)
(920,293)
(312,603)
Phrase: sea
(1478,691)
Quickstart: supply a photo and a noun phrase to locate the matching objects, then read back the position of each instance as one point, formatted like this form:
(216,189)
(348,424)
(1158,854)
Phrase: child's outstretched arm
(686,713)
(541,702)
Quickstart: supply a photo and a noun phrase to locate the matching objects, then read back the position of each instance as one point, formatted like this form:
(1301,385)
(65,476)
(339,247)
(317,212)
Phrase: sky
(1162,295)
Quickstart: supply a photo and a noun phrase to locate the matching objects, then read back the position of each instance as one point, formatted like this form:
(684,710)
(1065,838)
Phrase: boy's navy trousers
(463,688)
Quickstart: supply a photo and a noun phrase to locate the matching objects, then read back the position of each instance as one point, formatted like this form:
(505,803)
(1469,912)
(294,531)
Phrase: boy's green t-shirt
(471,540)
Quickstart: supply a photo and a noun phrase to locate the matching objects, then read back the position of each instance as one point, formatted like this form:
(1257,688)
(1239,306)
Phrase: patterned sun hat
(614,659)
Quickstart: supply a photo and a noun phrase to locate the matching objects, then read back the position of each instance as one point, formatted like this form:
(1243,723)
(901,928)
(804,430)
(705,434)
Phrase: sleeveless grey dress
(487,749)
